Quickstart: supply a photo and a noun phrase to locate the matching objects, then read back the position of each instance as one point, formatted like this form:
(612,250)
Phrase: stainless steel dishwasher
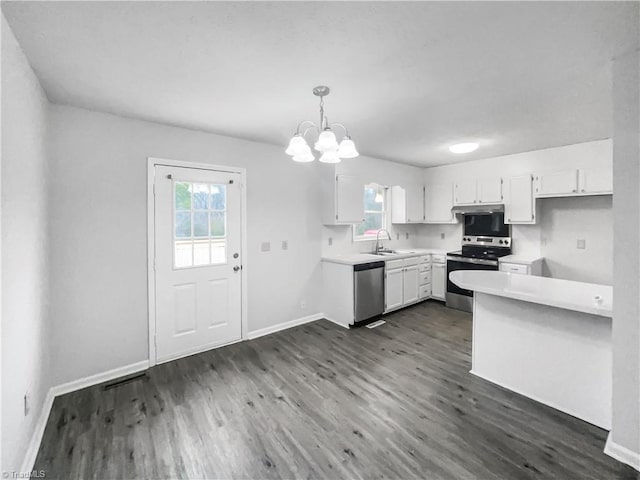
(368,282)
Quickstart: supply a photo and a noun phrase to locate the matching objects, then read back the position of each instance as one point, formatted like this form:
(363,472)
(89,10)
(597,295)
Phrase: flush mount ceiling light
(463,147)
(326,144)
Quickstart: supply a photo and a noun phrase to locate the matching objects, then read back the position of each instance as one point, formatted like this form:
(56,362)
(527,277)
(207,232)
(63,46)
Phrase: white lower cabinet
(393,289)
(438,280)
(410,285)
(404,281)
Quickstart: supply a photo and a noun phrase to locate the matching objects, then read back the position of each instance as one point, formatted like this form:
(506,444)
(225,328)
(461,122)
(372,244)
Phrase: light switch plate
(442,235)
(582,244)
(330,241)
(265,247)
(285,245)
(406,235)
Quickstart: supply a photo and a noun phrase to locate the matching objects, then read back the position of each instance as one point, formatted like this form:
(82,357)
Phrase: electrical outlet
(27,403)
(285,245)
(265,247)
(582,244)
(303,304)
(441,235)
(330,241)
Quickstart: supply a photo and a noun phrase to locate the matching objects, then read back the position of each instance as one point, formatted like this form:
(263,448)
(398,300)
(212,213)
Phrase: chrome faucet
(379,247)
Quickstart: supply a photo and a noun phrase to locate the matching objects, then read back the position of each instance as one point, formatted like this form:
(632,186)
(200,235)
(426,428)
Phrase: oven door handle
(477,261)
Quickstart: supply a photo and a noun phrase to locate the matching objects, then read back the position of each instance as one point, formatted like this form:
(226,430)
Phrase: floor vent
(124,380)
(376,324)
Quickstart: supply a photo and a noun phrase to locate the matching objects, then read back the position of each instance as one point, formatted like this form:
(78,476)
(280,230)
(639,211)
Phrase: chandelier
(326,144)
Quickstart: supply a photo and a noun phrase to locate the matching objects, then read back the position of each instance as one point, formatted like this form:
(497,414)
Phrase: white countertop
(520,259)
(554,292)
(358,258)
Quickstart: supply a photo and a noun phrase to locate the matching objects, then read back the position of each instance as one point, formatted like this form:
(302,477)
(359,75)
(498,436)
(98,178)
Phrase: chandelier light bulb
(297,146)
(330,157)
(326,142)
(347,148)
(304,158)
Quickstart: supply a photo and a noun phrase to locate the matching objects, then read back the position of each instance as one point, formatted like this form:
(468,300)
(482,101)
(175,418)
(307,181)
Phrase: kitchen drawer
(425,291)
(437,258)
(425,259)
(393,264)
(409,262)
(514,268)
(425,277)
(424,267)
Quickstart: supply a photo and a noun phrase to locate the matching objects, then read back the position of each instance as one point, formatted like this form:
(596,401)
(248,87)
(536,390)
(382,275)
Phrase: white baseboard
(336,322)
(284,325)
(34,445)
(99,378)
(622,454)
(36,438)
(605,425)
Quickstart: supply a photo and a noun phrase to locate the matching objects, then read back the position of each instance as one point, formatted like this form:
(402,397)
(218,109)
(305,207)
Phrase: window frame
(383,211)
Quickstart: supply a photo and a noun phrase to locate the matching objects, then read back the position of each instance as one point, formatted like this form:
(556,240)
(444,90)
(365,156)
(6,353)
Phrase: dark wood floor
(319,401)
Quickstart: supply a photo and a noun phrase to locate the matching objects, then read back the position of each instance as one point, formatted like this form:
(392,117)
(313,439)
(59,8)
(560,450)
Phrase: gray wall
(99,233)
(565,220)
(25,272)
(625,430)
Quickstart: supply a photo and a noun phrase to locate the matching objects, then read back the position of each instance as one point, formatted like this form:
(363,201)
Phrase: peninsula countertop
(578,296)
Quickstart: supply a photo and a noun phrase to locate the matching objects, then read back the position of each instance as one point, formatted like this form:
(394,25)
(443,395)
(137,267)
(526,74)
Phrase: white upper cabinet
(407,204)
(554,184)
(519,204)
(438,201)
(344,200)
(576,182)
(473,192)
(466,192)
(490,190)
(596,181)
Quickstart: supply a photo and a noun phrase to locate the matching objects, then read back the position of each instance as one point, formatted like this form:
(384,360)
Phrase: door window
(200,217)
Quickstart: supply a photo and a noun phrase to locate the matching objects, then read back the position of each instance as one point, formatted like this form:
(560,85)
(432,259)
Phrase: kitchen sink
(386,253)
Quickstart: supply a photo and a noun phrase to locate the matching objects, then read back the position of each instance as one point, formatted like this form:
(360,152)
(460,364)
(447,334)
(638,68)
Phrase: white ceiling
(408,79)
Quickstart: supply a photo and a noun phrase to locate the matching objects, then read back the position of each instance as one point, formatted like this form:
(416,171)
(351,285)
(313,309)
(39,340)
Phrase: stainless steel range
(485,239)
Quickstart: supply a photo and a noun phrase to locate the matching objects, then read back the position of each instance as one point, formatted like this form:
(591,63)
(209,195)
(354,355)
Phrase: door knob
(236,268)
(235,255)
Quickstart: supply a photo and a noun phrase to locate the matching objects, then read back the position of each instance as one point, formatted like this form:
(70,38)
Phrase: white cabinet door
(415,203)
(410,287)
(490,190)
(349,199)
(393,289)
(438,202)
(438,280)
(407,204)
(596,181)
(552,184)
(519,206)
(465,192)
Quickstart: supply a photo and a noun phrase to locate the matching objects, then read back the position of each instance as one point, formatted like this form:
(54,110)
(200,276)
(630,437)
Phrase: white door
(197,260)
(438,280)
(393,289)
(410,292)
